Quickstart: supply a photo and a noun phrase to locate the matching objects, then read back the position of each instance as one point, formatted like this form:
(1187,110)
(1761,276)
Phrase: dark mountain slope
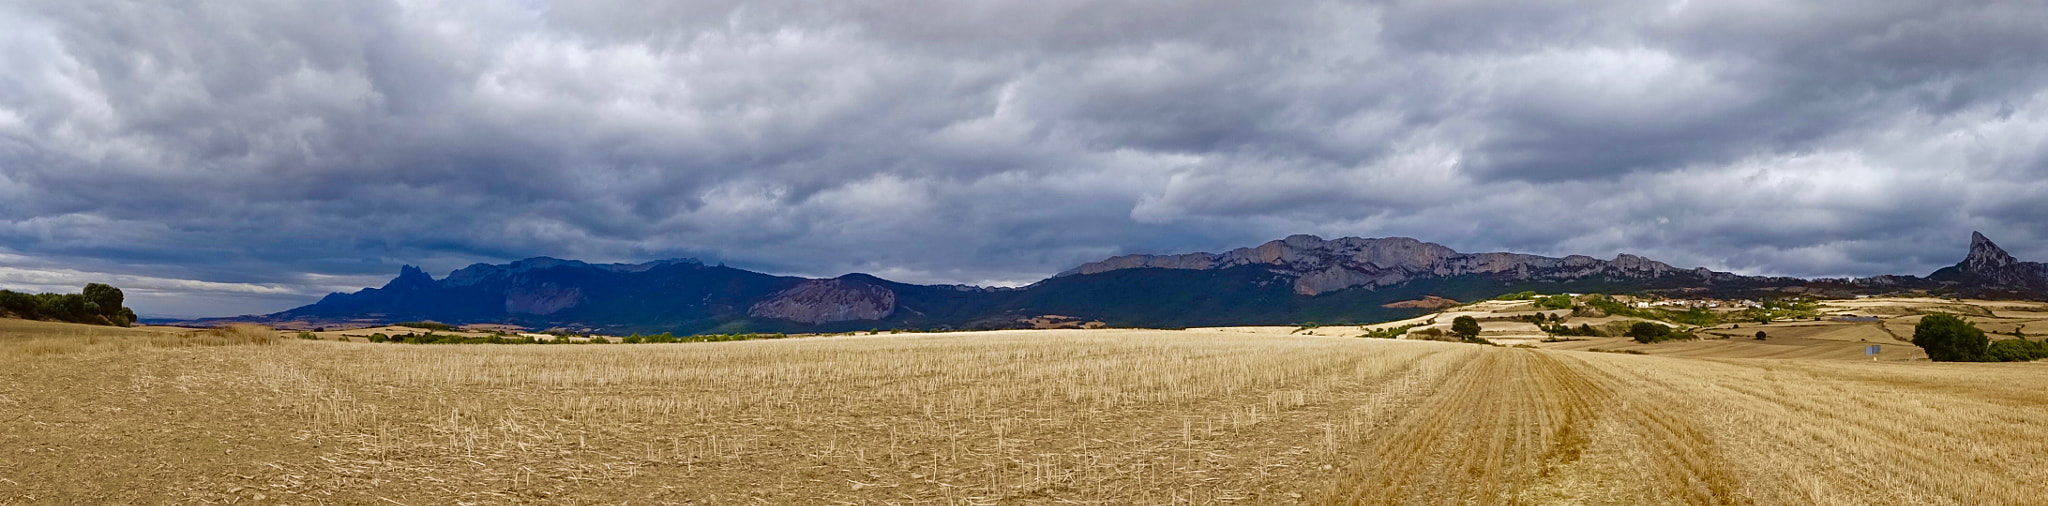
(546,292)
(1298,279)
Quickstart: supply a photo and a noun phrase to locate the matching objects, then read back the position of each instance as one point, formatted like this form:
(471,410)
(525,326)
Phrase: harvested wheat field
(1052,416)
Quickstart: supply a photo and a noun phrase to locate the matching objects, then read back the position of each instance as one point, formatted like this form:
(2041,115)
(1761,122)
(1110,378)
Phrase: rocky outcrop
(828,300)
(1989,271)
(546,298)
(1322,266)
(1986,257)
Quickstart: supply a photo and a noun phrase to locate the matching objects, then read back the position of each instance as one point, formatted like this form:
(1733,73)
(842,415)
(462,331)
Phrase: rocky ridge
(1299,278)
(846,298)
(1321,266)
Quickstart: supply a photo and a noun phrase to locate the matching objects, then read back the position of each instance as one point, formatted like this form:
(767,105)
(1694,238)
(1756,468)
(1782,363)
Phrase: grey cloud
(1001,141)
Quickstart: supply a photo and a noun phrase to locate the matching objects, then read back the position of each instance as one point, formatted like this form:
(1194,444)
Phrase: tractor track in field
(1508,421)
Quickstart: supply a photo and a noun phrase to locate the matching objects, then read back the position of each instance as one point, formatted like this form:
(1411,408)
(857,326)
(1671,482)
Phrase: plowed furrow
(1505,422)
(1686,468)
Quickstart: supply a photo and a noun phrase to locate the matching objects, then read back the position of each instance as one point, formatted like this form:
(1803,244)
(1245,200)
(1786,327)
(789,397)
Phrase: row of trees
(97,304)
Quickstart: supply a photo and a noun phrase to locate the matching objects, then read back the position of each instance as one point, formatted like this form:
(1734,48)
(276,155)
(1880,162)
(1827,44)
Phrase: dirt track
(1512,426)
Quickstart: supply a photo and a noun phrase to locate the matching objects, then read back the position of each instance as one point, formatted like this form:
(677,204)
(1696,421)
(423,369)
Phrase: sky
(247,156)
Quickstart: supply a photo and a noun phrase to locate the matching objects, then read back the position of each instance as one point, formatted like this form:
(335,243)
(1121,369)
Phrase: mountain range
(1298,279)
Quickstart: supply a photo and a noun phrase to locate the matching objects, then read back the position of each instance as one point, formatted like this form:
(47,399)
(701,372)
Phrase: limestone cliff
(828,300)
(1321,266)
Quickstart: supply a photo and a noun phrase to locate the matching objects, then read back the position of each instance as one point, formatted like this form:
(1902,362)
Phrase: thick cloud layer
(246,156)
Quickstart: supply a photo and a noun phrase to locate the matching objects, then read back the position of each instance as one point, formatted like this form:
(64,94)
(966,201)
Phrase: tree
(69,307)
(18,305)
(1948,338)
(103,299)
(1465,327)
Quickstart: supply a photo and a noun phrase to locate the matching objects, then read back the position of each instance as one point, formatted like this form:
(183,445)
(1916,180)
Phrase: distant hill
(1298,279)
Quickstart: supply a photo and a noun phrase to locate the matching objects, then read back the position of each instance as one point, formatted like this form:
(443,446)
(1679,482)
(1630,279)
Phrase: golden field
(103,415)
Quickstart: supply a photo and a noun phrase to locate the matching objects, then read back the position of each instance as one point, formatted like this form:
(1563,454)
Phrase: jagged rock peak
(410,277)
(1985,255)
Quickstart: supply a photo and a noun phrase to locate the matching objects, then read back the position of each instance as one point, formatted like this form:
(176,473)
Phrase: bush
(1647,332)
(1695,316)
(1388,333)
(600,340)
(1760,335)
(1522,295)
(2017,350)
(1583,330)
(1947,338)
(380,338)
(308,336)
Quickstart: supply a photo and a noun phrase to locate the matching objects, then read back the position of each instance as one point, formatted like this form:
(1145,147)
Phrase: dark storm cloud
(232,156)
